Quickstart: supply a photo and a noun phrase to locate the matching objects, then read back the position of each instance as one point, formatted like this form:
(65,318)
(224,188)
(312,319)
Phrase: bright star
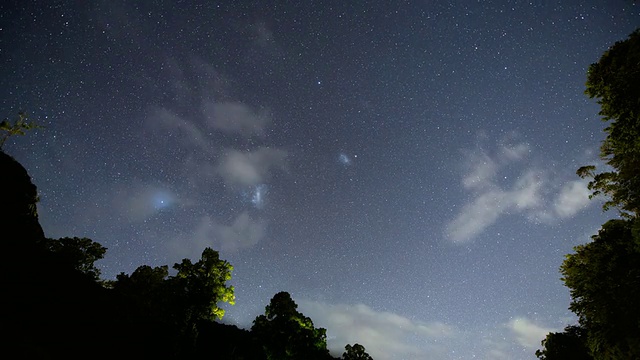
(162,200)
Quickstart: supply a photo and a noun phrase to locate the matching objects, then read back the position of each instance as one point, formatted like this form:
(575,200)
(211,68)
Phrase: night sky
(405,169)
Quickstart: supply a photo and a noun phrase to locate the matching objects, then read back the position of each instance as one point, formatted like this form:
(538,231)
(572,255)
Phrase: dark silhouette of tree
(604,279)
(355,352)
(223,341)
(79,253)
(286,334)
(145,288)
(615,81)
(568,345)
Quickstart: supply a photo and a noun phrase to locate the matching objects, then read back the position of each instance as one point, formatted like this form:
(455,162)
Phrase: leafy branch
(19,127)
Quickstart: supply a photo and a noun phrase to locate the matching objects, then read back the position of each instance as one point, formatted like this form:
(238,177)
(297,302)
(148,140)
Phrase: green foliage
(568,345)
(604,279)
(615,81)
(19,126)
(604,275)
(355,352)
(287,334)
(79,253)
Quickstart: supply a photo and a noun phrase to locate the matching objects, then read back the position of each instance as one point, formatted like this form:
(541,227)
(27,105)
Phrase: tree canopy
(355,352)
(183,300)
(615,81)
(604,280)
(287,334)
(603,276)
(204,284)
(79,253)
(568,345)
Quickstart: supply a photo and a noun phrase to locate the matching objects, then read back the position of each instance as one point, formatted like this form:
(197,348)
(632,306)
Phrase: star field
(405,170)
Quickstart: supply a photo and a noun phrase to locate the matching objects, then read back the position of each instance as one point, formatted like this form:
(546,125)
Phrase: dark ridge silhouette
(18,212)
(55,306)
(51,310)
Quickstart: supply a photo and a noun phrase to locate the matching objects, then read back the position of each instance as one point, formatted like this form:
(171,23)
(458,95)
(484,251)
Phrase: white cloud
(534,193)
(526,193)
(235,117)
(188,130)
(515,152)
(248,168)
(527,333)
(484,169)
(140,203)
(573,197)
(476,216)
(243,232)
(489,205)
(385,335)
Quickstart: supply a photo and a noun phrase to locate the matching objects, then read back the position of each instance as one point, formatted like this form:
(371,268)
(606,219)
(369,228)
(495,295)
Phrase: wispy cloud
(527,333)
(263,48)
(517,338)
(138,202)
(243,232)
(505,182)
(261,35)
(235,117)
(573,197)
(385,335)
(188,132)
(492,200)
(476,216)
(249,168)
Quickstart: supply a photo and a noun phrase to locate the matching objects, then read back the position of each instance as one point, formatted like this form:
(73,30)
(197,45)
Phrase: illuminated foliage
(204,284)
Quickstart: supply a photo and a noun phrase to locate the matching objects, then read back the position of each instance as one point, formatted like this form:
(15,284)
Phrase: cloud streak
(385,335)
(250,168)
(491,201)
(573,197)
(527,333)
(242,232)
(189,132)
(236,118)
(533,193)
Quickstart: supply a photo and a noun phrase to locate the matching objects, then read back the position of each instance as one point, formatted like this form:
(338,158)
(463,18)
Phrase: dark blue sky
(406,171)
